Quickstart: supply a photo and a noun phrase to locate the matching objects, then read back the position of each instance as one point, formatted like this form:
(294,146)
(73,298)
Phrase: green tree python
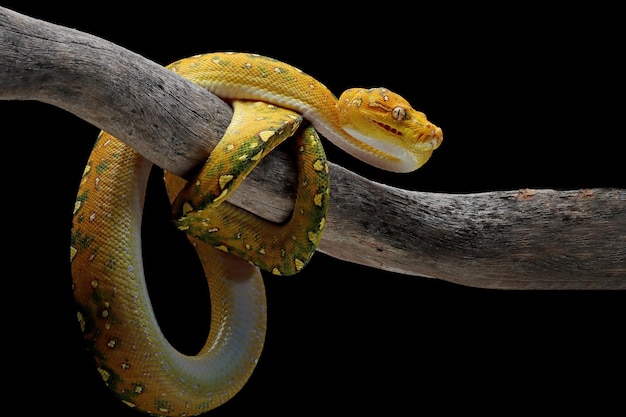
(270,99)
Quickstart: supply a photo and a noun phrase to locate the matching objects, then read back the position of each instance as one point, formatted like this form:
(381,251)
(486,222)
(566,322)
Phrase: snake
(272,101)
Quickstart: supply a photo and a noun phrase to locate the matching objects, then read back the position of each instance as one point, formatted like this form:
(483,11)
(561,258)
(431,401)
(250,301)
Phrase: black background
(527,96)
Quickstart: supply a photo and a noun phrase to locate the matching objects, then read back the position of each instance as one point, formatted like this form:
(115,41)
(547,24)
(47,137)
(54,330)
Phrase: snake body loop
(270,99)
(132,355)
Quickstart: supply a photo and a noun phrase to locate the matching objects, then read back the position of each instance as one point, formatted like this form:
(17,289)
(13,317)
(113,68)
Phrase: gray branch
(519,239)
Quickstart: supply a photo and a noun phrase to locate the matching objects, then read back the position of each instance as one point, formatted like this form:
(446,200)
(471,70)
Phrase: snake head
(388,123)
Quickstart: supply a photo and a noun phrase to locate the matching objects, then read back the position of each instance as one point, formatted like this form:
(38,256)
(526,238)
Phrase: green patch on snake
(220,62)
(80,241)
(99,309)
(102,166)
(264,73)
(164,406)
(80,199)
(203,405)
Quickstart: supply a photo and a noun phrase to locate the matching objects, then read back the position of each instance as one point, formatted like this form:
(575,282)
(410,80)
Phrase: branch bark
(520,239)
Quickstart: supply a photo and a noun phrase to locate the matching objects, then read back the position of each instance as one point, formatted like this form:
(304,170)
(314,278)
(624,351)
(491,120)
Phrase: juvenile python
(269,98)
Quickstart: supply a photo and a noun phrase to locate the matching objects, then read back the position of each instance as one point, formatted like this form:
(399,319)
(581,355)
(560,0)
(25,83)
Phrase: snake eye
(398,113)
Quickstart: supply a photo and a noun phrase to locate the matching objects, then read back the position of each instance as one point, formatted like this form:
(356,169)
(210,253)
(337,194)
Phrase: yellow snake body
(270,99)
(385,131)
(132,355)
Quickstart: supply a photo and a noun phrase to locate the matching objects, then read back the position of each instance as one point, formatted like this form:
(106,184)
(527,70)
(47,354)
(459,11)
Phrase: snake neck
(325,120)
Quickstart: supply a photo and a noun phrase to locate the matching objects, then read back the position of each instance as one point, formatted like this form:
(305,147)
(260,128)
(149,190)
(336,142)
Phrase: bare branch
(171,121)
(531,239)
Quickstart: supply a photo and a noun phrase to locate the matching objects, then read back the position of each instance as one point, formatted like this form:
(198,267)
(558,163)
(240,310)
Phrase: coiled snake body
(269,98)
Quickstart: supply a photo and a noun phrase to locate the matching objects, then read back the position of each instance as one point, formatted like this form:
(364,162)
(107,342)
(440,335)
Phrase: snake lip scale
(272,102)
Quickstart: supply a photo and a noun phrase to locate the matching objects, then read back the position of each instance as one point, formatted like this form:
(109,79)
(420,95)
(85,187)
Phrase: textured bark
(530,239)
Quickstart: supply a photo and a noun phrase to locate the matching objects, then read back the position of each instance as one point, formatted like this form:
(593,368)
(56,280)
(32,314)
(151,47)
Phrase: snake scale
(272,101)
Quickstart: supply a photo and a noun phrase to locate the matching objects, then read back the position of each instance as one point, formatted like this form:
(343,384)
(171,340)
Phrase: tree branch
(530,239)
